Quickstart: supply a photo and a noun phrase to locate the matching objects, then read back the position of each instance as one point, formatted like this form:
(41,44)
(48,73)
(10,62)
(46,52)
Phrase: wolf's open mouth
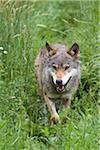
(68,81)
(61,88)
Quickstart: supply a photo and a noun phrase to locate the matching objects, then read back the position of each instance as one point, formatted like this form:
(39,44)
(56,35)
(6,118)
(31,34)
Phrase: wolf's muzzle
(60,86)
(68,80)
(58,82)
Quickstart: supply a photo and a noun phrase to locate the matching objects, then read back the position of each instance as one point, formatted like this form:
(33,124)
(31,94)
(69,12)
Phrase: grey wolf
(57,71)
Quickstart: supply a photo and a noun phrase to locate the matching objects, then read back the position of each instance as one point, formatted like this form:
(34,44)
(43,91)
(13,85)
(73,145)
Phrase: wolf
(57,70)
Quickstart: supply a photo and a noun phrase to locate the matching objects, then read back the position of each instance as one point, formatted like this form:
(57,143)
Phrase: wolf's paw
(54,119)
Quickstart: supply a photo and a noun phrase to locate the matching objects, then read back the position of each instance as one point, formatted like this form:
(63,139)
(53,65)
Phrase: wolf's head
(62,64)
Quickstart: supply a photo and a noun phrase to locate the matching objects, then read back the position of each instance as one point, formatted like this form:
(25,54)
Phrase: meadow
(25,26)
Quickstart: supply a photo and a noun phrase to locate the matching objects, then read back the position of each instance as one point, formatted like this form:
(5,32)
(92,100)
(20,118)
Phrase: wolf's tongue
(60,88)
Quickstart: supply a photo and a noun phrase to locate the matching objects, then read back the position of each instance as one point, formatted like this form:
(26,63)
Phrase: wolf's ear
(74,51)
(51,50)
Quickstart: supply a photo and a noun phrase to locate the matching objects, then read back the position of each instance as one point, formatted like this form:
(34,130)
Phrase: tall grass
(25,26)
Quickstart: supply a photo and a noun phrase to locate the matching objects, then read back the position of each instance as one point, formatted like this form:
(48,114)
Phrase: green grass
(25,26)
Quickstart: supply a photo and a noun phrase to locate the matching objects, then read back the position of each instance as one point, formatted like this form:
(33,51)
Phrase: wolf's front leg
(51,107)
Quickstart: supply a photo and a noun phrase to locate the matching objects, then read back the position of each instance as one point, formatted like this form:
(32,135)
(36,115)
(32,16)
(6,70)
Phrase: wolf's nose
(59,82)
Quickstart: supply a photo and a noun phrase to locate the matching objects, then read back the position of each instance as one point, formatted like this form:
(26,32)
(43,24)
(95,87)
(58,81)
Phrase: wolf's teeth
(60,88)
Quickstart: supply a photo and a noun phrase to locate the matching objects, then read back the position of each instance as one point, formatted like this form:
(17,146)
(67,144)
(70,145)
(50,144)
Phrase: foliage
(25,26)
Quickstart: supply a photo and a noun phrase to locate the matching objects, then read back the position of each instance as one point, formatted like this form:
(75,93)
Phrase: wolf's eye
(66,67)
(54,67)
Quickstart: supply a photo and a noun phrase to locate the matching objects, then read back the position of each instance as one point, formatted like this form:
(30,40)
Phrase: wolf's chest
(54,95)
